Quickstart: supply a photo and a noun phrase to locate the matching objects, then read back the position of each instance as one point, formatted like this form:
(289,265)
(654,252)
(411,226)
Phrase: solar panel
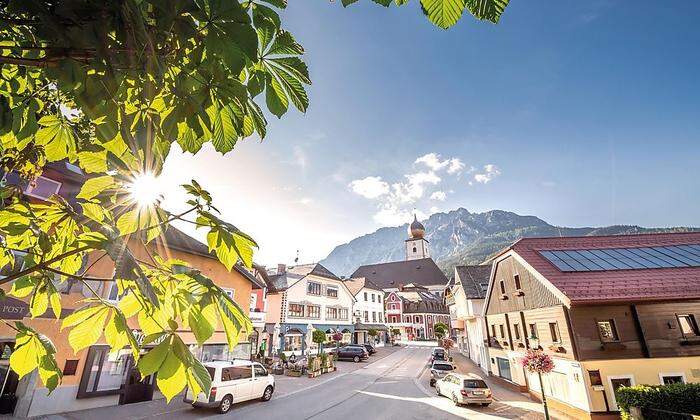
(672,256)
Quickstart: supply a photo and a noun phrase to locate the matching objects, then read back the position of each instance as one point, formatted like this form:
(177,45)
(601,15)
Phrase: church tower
(416,244)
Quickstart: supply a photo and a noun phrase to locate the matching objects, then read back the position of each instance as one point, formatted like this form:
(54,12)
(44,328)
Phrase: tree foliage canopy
(109,86)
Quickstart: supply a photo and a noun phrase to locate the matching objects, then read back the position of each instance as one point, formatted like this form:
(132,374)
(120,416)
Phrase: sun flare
(145,189)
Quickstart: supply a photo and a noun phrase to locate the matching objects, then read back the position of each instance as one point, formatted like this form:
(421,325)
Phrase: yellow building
(611,311)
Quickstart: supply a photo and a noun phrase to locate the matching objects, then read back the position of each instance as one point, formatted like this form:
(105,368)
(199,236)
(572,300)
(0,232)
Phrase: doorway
(8,380)
(504,368)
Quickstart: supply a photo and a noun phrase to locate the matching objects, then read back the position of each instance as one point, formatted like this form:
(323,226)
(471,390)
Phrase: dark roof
(474,279)
(180,241)
(365,327)
(391,275)
(615,285)
(315,269)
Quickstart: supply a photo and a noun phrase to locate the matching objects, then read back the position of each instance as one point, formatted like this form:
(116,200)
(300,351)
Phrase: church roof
(392,275)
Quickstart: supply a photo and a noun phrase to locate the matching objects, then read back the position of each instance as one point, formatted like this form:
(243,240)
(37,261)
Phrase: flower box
(314,374)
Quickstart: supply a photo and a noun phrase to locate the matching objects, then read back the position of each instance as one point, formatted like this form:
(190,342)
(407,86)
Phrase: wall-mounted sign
(11,308)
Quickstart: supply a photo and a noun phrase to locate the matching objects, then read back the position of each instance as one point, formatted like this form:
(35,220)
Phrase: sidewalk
(519,401)
(284,386)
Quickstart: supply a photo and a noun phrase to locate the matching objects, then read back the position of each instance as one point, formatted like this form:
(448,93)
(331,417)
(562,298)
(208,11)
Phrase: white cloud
(433,161)
(299,157)
(438,195)
(370,187)
(392,215)
(490,172)
(305,201)
(434,210)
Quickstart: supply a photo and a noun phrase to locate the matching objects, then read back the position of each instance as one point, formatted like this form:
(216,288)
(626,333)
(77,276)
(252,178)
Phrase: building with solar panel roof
(612,311)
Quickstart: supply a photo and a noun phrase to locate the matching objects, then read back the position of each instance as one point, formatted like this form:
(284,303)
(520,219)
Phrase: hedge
(679,398)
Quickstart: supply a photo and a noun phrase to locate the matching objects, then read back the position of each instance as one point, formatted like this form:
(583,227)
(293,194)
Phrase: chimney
(281,268)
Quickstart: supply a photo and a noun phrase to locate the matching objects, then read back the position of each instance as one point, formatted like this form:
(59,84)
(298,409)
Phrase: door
(259,380)
(617,382)
(242,382)
(134,389)
(504,368)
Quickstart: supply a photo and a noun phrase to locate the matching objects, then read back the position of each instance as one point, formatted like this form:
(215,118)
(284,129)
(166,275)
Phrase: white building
(368,311)
(305,298)
(465,299)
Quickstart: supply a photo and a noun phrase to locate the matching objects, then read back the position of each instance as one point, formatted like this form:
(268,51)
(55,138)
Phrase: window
(313,311)
(70,367)
(493,331)
(595,378)
(415,249)
(365,296)
(253,301)
(381,317)
(689,327)
(313,288)
(343,314)
(259,370)
(43,188)
(379,298)
(607,331)
(533,331)
(332,313)
(332,291)
(229,292)
(374,317)
(234,373)
(292,342)
(502,331)
(672,378)
(366,316)
(372,297)
(503,287)
(517,281)
(114,294)
(104,373)
(554,331)
(296,310)
(516,330)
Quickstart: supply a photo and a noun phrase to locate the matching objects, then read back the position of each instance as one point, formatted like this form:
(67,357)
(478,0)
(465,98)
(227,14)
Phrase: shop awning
(366,327)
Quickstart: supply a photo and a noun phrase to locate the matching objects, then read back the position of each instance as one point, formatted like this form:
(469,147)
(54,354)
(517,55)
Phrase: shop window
(104,373)
(313,288)
(607,331)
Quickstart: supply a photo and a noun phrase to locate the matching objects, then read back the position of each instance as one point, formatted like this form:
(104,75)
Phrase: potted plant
(536,361)
(324,362)
(313,367)
(294,369)
(337,337)
(319,337)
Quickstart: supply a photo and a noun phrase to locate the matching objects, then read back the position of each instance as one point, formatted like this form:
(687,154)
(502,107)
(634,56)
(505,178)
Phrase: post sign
(11,308)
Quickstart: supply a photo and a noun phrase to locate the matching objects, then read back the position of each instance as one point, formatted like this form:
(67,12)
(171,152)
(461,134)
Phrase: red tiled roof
(615,285)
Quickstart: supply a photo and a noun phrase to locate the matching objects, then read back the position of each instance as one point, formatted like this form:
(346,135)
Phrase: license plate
(478,392)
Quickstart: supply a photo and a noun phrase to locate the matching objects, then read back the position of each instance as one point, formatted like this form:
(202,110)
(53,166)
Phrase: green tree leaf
(443,13)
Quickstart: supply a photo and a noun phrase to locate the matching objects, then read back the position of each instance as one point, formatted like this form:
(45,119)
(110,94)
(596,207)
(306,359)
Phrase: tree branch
(29,62)
(42,265)
(75,276)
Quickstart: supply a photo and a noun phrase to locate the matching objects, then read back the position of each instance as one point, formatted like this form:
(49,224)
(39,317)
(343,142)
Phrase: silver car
(464,389)
(439,369)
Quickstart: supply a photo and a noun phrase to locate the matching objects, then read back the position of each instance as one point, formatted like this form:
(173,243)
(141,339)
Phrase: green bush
(679,398)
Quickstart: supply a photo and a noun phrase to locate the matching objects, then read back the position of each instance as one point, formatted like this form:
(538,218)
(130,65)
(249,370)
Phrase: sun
(145,189)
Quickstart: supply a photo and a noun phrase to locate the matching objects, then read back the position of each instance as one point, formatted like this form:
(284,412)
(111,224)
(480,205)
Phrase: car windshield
(442,366)
(475,383)
(439,353)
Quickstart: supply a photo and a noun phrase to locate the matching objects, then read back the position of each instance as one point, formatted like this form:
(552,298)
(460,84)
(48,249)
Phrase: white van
(233,382)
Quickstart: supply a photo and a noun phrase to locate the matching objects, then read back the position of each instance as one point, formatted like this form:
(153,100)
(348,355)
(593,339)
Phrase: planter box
(314,374)
(295,373)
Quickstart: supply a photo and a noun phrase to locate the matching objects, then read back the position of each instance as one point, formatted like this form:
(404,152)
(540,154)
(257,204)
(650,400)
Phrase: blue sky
(581,113)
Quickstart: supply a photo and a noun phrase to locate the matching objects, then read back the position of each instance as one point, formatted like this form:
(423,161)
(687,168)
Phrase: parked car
(464,389)
(370,349)
(354,353)
(233,382)
(438,353)
(439,369)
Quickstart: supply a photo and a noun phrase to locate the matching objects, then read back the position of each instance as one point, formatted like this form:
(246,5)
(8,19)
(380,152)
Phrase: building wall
(297,293)
(642,371)
(377,307)
(63,398)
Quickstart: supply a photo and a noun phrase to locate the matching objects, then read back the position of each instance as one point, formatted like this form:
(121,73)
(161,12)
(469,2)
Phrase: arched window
(415,249)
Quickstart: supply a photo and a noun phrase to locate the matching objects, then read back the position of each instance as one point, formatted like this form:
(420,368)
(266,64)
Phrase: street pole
(544,398)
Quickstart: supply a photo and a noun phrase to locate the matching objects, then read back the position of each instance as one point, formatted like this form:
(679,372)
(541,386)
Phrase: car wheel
(455,400)
(485,404)
(267,395)
(432,382)
(356,359)
(226,404)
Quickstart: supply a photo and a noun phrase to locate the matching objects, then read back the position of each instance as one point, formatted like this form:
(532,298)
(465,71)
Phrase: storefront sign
(11,308)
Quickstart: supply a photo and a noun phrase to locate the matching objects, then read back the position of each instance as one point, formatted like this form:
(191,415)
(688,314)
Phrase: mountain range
(459,237)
